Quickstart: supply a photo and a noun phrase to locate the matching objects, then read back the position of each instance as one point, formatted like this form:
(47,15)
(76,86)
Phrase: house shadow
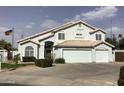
(12,84)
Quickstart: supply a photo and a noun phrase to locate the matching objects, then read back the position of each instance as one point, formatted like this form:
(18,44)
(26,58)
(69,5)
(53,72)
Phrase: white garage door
(77,56)
(102,56)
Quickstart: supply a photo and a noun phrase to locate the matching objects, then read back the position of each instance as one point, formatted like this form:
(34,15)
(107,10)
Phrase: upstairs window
(61,36)
(98,37)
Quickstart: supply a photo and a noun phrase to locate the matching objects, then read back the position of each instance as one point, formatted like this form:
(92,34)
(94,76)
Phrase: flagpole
(12,41)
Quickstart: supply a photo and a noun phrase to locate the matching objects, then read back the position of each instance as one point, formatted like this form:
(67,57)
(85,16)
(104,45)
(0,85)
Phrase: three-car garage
(85,52)
(85,55)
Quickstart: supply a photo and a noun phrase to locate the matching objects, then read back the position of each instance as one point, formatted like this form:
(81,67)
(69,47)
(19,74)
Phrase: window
(29,51)
(61,36)
(78,34)
(98,36)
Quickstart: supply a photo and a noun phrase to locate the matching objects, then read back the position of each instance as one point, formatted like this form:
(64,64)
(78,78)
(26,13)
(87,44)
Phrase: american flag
(8,32)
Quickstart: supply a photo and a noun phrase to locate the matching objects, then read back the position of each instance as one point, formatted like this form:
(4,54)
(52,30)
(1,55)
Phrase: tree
(120,36)
(121,43)
(16,58)
(112,41)
(5,45)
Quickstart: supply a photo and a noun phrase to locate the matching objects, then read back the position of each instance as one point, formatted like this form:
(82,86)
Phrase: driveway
(81,74)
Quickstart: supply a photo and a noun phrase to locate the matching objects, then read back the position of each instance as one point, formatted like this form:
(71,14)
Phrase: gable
(79,23)
(102,46)
(105,44)
(75,32)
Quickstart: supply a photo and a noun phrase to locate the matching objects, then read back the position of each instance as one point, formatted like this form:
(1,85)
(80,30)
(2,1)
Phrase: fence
(119,55)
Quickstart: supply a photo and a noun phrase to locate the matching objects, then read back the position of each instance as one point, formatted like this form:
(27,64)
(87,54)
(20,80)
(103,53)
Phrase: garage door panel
(72,56)
(102,56)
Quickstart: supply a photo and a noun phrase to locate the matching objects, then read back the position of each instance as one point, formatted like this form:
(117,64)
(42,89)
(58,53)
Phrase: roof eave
(97,31)
(105,43)
(64,46)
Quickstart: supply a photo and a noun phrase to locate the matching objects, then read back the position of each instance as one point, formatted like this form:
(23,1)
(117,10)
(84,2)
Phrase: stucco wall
(3,55)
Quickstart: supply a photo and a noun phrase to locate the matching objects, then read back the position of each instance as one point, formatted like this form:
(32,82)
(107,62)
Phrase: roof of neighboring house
(82,43)
(1,48)
(58,28)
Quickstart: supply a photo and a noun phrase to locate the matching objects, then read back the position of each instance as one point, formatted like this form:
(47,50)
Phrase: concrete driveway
(84,74)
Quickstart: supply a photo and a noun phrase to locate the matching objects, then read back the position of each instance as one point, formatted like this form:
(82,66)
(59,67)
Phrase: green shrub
(121,77)
(121,82)
(60,61)
(16,58)
(49,56)
(28,59)
(43,62)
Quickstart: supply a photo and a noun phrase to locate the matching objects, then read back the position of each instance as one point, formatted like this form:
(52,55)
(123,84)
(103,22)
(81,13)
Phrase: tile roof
(81,43)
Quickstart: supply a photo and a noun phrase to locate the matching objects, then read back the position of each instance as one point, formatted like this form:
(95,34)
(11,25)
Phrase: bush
(121,82)
(43,62)
(121,77)
(16,58)
(28,59)
(49,56)
(60,61)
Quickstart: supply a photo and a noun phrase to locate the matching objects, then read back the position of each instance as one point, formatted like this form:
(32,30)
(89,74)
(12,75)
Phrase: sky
(28,20)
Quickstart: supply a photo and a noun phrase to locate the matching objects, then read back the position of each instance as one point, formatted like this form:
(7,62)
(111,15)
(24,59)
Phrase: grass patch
(12,66)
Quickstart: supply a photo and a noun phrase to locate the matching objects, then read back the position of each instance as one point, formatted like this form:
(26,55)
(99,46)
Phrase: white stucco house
(75,41)
(3,55)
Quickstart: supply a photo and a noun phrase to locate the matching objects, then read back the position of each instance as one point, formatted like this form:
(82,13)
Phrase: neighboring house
(75,41)
(3,55)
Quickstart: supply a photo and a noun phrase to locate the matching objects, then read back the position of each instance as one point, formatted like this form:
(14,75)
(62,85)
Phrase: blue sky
(33,19)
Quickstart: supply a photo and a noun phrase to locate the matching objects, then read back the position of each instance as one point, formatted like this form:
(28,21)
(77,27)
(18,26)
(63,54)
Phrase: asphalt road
(79,74)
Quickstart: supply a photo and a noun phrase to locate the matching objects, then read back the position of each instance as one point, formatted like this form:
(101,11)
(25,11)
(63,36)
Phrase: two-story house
(75,41)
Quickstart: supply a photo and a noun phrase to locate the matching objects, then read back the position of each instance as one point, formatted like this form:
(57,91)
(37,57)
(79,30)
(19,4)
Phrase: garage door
(102,56)
(77,56)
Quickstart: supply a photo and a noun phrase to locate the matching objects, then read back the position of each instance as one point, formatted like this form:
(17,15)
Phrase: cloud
(30,25)
(3,29)
(49,23)
(47,16)
(98,13)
